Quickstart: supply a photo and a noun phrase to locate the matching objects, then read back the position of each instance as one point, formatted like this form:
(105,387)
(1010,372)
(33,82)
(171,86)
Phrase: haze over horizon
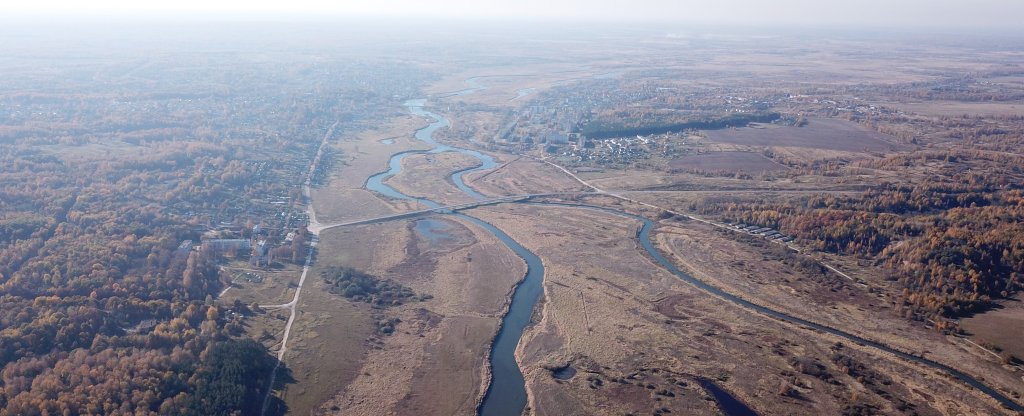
(908,14)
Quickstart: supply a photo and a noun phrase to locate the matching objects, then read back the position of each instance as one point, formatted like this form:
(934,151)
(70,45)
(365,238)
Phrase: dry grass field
(635,332)
(469,127)
(332,335)
(828,134)
(361,155)
(1002,328)
(524,176)
(426,176)
(749,162)
(267,327)
(956,108)
(328,344)
(277,285)
(758,271)
(639,338)
(439,347)
(502,83)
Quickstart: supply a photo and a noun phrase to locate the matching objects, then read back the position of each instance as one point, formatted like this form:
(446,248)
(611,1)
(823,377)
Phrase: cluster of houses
(258,246)
(766,232)
(613,151)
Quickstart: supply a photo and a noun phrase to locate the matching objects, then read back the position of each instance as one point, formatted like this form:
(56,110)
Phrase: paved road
(314,228)
(690,216)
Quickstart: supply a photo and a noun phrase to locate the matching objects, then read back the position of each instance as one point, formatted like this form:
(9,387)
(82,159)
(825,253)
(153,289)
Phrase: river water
(645,240)
(426,135)
(506,394)
(433,230)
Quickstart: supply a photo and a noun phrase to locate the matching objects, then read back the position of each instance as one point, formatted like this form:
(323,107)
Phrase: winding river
(376,182)
(645,240)
(506,394)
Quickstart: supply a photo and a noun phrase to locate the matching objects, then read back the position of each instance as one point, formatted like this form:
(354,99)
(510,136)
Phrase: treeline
(953,248)
(604,129)
(100,311)
(969,88)
(224,377)
(965,259)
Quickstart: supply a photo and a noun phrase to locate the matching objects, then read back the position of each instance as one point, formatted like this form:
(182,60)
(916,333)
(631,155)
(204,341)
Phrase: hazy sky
(889,13)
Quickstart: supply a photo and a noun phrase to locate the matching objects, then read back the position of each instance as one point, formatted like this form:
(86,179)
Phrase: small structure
(185,245)
(181,253)
(143,327)
(260,252)
(227,245)
(558,138)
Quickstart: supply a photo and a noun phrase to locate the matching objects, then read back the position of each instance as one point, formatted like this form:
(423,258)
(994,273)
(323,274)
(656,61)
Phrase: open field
(501,85)
(523,176)
(767,274)
(636,179)
(956,108)
(266,327)
(731,161)
(821,64)
(328,344)
(828,134)
(1002,328)
(332,334)
(469,127)
(271,286)
(361,155)
(618,318)
(439,346)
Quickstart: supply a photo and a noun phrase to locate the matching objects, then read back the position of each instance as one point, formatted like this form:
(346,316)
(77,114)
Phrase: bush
(363,287)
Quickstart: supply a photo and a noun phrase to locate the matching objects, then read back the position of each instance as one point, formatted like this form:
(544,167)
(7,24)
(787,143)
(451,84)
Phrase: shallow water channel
(433,230)
(645,241)
(506,394)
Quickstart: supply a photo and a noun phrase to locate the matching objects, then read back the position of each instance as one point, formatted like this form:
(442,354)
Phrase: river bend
(506,393)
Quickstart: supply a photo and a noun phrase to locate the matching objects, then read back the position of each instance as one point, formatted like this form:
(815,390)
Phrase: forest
(88,259)
(601,129)
(951,242)
(104,308)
